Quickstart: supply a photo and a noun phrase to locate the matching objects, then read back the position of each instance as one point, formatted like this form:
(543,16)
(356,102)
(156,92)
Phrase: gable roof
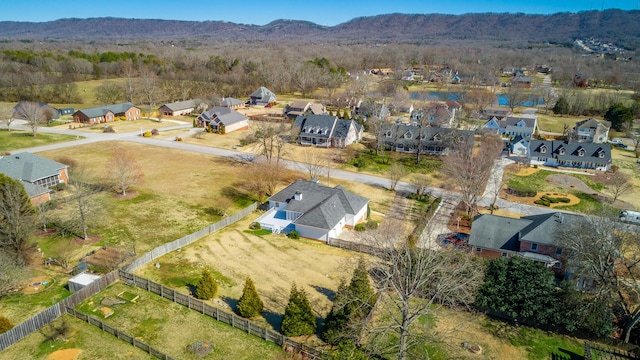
(504,233)
(225,115)
(229,102)
(590,123)
(29,167)
(55,113)
(432,135)
(104,110)
(321,206)
(181,105)
(263,94)
(323,126)
(592,151)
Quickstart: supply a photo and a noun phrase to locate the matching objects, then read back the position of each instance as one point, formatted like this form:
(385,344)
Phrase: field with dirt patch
(274,262)
(85,341)
(170,327)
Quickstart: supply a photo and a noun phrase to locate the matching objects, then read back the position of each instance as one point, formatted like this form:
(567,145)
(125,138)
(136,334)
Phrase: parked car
(615,142)
(622,146)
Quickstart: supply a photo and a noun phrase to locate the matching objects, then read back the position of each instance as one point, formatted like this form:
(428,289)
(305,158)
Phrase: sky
(327,12)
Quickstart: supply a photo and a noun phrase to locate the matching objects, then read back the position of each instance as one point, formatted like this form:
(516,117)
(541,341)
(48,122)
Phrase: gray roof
(321,206)
(431,135)
(263,94)
(34,190)
(103,110)
(224,115)
(229,102)
(504,233)
(554,149)
(181,105)
(319,126)
(590,123)
(29,167)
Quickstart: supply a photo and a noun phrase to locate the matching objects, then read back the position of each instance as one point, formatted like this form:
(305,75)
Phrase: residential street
(439,222)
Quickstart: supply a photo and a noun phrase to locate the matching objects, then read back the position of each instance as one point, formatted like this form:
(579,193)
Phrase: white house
(315,211)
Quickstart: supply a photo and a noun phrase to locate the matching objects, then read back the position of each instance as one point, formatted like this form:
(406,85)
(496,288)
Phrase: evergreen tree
(207,287)
(352,305)
(620,117)
(249,304)
(562,106)
(5,324)
(298,317)
(346,114)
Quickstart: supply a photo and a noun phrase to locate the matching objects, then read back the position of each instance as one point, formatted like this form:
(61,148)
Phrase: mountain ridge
(612,25)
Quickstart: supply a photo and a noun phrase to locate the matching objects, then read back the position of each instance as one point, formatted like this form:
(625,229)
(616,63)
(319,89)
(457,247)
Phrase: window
(581,152)
(557,265)
(504,255)
(388,134)
(408,135)
(601,154)
(561,151)
(559,251)
(534,247)
(478,250)
(543,149)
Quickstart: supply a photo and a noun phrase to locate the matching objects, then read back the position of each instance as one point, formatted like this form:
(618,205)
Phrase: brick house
(108,113)
(531,237)
(36,173)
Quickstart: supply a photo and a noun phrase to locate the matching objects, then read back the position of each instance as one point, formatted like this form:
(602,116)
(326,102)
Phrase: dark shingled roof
(571,151)
(103,110)
(226,115)
(321,206)
(181,105)
(29,167)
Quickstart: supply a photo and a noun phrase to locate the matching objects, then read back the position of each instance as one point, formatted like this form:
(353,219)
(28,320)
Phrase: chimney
(297,196)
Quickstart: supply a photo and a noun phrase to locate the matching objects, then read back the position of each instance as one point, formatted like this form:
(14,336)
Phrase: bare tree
(268,137)
(129,86)
(395,173)
(469,171)
(635,138)
(314,163)
(6,115)
(149,86)
(11,274)
(124,170)
(108,93)
(262,178)
(412,283)
(605,251)
(515,96)
(34,113)
(617,185)
(81,191)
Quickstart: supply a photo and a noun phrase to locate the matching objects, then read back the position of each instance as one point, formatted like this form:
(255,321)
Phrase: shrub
(108,129)
(523,191)
(216,211)
(154,132)
(360,227)
(563,200)
(293,235)
(200,348)
(5,324)
(372,224)
(147,133)
(255,226)
(250,304)
(207,287)
(178,138)
(299,318)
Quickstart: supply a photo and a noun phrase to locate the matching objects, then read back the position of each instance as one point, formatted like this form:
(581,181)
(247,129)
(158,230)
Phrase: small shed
(82,280)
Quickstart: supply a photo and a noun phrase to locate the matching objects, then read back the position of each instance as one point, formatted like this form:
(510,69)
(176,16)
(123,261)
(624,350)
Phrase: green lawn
(17,139)
(92,342)
(170,327)
(20,307)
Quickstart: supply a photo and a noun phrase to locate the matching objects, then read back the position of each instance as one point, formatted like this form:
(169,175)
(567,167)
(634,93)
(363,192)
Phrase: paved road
(450,199)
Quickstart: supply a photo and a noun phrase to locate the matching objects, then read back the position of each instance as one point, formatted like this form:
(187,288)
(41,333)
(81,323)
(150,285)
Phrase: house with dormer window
(512,126)
(327,131)
(411,138)
(568,154)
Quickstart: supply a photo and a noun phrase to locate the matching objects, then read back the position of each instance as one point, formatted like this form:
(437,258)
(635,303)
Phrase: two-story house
(512,126)
(327,131)
(591,130)
(411,138)
(558,153)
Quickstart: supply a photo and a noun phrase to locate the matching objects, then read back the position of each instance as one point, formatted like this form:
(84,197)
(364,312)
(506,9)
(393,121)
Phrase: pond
(446,96)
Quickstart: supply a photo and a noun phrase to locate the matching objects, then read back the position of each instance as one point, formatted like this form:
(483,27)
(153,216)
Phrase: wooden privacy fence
(228,318)
(186,240)
(353,246)
(119,334)
(33,324)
